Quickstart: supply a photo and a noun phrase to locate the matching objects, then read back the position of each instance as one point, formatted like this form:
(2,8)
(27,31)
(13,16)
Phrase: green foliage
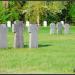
(45,10)
(72,11)
(13,11)
(3,14)
(50,11)
(34,9)
(14,15)
(10,13)
(31,10)
(55,6)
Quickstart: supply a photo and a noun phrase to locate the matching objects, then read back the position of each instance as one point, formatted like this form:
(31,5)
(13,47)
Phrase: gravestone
(33,36)
(12,27)
(9,24)
(27,23)
(59,28)
(62,22)
(52,28)
(66,28)
(18,34)
(3,36)
(45,23)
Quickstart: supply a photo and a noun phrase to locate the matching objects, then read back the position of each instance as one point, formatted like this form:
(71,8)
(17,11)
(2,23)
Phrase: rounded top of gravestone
(59,24)
(27,21)
(62,22)
(66,23)
(45,21)
(33,24)
(52,23)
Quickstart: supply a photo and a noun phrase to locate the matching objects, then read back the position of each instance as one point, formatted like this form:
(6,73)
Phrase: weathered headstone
(18,34)
(3,36)
(66,28)
(27,23)
(59,28)
(12,27)
(33,36)
(62,22)
(45,23)
(52,28)
(9,24)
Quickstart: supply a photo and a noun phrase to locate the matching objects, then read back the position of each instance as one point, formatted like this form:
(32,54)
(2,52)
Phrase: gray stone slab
(33,36)
(18,34)
(45,23)
(3,36)
(9,24)
(59,28)
(52,28)
(66,28)
(27,23)
(62,22)
(13,28)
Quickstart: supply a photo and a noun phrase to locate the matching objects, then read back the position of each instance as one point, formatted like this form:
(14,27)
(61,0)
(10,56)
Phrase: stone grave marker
(33,36)
(45,23)
(62,22)
(27,23)
(9,24)
(66,28)
(52,28)
(59,28)
(18,34)
(3,36)
(12,27)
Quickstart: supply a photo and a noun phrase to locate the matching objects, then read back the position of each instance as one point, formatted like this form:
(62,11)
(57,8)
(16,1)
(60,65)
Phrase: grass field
(56,54)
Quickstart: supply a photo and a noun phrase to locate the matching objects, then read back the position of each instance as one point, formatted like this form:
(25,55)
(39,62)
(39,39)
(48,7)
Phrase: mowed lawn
(56,54)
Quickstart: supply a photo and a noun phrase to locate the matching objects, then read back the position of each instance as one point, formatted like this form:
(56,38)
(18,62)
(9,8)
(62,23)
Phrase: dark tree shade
(22,2)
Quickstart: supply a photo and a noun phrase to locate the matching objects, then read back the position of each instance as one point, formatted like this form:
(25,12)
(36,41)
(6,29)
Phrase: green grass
(56,54)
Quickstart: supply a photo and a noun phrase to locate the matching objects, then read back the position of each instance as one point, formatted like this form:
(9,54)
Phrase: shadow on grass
(44,45)
(9,48)
(40,45)
(26,46)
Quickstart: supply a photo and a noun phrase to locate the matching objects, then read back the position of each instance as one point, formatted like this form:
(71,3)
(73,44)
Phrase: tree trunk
(38,20)
(5,4)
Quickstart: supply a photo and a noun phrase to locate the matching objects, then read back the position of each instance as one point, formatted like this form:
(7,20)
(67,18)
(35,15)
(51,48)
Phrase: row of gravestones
(44,23)
(17,28)
(27,24)
(57,28)
(52,26)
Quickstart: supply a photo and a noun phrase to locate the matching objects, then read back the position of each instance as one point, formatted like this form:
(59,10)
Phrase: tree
(72,11)
(15,10)
(3,12)
(52,10)
(34,10)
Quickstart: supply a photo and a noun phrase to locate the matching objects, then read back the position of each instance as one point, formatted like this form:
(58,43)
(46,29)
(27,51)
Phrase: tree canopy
(38,11)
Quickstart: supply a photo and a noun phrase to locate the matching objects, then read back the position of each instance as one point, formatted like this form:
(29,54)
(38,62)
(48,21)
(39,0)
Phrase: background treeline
(38,11)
